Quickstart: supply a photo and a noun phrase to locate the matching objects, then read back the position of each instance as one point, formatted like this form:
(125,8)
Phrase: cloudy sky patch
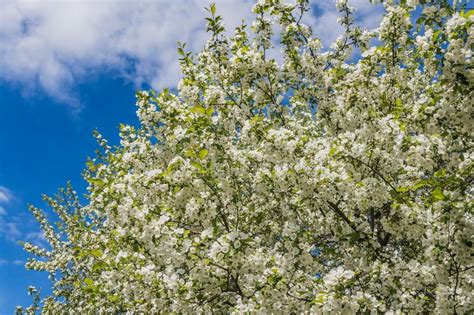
(52,46)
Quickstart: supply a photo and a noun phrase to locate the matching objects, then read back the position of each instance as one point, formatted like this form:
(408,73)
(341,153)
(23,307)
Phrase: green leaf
(213,8)
(403,189)
(420,184)
(176,189)
(190,153)
(319,299)
(91,165)
(198,110)
(89,281)
(209,111)
(97,253)
(203,153)
(468,14)
(255,119)
(438,194)
(198,166)
(99,266)
(113,298)
(354,237)
(96,181)
(332,151)
(440,174)
(403,126)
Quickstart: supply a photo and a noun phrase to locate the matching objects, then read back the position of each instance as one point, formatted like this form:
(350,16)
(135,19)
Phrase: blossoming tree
(309,184)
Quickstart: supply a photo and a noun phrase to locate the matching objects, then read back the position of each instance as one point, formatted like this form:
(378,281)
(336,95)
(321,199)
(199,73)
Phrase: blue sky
(44,144)
(67,68)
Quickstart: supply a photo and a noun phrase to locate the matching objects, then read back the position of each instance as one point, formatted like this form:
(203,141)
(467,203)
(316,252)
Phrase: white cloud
(5,196)
(8,229)
(36,238)
(54,45)
(13,227)
(17,262)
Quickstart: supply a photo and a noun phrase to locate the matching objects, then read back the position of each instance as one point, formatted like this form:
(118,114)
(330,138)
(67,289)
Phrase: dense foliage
(309,184)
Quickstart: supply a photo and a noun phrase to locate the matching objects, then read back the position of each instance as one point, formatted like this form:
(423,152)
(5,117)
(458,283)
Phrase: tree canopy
(312,182)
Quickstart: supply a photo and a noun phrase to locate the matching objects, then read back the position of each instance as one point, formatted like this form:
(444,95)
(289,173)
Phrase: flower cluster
(314,185)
